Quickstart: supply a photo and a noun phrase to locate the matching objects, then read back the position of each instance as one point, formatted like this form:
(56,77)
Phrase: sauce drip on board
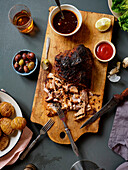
(104,51)
(66,25)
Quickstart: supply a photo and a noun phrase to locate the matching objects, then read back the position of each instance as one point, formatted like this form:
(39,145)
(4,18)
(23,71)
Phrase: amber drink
(20,16)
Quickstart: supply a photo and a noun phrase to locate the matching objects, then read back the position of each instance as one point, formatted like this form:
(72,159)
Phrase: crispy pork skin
(75,65)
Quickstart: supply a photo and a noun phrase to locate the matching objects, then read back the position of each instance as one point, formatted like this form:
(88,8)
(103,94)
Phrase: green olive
(46,61)
(21,62)
(31,65)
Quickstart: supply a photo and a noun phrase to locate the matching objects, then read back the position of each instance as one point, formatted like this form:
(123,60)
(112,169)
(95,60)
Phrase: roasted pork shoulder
(75,65)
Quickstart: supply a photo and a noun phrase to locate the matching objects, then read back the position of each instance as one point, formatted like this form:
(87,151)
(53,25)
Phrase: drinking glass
(85,165)
(20,16)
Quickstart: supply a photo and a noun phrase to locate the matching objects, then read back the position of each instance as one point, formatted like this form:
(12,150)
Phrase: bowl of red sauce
(104,51)
(70,24)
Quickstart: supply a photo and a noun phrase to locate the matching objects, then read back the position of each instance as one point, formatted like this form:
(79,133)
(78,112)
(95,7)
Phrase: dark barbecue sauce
(66,25)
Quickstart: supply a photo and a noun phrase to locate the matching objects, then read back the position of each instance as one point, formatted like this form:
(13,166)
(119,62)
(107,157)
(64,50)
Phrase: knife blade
(114,101)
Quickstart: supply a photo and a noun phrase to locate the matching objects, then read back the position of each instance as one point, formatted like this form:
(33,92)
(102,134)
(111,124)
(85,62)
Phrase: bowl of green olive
(24,62)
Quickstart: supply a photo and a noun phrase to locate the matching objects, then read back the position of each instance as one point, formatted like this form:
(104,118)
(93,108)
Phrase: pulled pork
(70,97)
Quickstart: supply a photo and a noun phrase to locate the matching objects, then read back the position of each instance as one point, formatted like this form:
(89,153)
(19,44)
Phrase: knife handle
(122,96)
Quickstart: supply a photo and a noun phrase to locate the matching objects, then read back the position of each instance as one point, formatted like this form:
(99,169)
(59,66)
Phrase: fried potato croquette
(6,109)
(4,141)
(6,127)
(0,132)
(18,123)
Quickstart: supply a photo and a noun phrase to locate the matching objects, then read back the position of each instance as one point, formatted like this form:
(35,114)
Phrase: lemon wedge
(103,24)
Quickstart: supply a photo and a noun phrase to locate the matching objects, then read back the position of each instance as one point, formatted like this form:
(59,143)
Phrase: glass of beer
(20,16)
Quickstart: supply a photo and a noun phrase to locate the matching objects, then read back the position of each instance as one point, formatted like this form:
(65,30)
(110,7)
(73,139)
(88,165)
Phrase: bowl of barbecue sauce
(70,24)
(104,51)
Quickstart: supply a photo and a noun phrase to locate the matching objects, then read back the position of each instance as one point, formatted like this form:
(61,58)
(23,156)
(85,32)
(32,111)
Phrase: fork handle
(29,148)
(74,147)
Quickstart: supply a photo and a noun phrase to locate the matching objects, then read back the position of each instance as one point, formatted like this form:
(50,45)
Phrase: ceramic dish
(25,73)
(117,15)
(70,8)
(16,136)
(104,50)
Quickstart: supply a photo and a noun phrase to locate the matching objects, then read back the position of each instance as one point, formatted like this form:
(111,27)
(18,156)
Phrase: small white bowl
(113,47)
(70,8)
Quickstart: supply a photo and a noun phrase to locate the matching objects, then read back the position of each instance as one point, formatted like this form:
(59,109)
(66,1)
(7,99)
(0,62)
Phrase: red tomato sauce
(104,51)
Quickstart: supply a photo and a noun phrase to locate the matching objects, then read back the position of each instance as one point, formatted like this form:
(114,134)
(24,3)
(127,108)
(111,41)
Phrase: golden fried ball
(5,124)
(6,109)
(18,123)
(4,141)
(0,132)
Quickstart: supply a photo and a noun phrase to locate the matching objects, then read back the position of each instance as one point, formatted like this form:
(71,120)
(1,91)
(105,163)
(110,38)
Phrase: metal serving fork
(62,117)
(43,130)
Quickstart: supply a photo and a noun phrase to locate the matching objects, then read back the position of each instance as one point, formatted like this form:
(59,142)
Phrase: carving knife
(114,101)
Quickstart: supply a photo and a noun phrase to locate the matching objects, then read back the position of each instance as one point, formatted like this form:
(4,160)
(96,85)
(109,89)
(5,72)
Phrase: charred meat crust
(75,65)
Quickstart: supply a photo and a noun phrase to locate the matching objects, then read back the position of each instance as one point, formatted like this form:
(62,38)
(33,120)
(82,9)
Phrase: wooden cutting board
(89,36)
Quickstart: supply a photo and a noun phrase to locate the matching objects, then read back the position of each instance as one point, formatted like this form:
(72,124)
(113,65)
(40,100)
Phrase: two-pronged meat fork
(62,117)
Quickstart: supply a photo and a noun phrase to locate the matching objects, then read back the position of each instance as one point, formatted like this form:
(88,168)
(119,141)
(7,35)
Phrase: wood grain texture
(89,36)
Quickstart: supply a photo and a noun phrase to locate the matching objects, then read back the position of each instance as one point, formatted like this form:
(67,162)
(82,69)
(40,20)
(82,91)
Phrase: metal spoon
(45,63)
(58,4)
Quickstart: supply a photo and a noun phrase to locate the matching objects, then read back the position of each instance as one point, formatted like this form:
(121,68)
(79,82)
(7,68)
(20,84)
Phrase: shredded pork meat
(68,95)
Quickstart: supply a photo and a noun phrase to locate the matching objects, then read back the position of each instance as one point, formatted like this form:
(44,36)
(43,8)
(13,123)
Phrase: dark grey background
(48,155)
